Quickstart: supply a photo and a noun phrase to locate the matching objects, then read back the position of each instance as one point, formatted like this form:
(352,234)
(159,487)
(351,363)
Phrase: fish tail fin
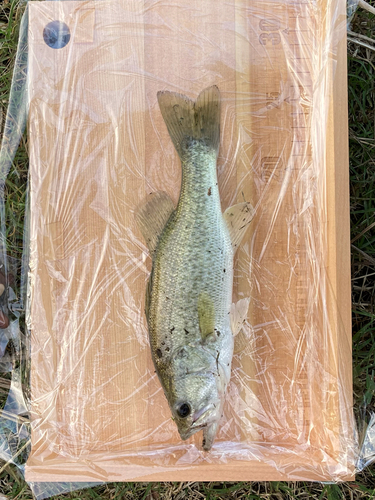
(187,120)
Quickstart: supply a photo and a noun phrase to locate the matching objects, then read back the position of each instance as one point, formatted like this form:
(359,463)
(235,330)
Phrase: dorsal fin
(151,217)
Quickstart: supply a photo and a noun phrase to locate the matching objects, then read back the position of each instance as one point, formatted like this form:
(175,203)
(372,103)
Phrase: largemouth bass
(191,319)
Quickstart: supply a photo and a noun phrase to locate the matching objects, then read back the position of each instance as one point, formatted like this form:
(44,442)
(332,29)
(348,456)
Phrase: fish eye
(184,410)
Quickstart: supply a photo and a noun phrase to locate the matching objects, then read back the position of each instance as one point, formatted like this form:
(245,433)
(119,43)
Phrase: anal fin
(238,218)
(151,217)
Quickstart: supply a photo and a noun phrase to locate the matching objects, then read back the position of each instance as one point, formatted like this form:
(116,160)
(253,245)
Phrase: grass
(361,79)
(361,70)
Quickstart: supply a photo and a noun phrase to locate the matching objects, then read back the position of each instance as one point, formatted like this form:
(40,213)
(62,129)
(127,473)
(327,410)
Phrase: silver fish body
(194,259)
(189,294)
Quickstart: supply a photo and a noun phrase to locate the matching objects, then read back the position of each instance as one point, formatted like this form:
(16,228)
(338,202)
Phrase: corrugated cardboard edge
(231,471)
(338,233)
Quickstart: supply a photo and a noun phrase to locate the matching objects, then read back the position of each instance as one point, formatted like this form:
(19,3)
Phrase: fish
(188,305)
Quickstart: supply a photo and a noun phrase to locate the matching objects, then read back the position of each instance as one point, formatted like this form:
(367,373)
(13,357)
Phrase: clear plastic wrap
(98,146)
(351,9)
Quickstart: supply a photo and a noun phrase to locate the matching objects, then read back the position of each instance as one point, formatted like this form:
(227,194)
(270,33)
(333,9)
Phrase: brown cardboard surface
(98,145)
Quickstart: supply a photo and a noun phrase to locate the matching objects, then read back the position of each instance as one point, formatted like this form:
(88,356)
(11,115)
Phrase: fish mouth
(201,414)
(199,421)
(186,434)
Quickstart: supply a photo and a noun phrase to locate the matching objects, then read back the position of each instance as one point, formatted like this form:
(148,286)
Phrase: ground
(361,71)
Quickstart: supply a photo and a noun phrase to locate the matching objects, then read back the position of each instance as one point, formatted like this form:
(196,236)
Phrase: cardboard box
(98,145)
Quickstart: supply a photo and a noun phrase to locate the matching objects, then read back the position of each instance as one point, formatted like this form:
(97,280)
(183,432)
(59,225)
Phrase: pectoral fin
(151,217)
(238,218)
(238,314)
(206,315)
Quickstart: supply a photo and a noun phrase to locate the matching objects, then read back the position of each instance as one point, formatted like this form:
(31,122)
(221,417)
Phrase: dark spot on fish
(228,364)
(243,220)
(163,343)
(204,442)
(167,349)
(182,353)
(186,331)
(224,270)
(172,329)
(167,298)
(218,333)
(159,353)
(209,192)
